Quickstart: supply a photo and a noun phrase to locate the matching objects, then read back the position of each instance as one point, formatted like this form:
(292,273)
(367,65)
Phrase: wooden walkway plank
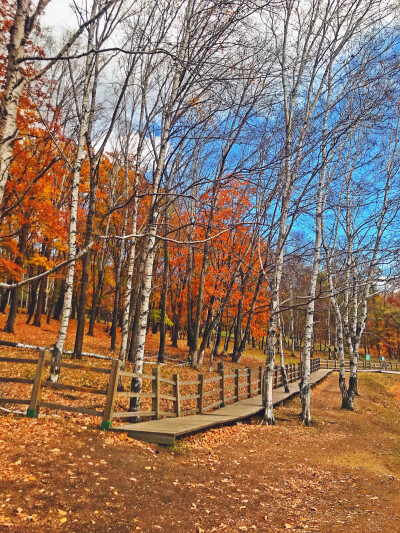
(166,430)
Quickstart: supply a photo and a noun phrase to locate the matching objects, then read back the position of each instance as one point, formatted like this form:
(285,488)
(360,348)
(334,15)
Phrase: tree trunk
(163,303)
(80,327)
(40,303)
(4,300)
(32,302)
(60,302)
(13,87)
(15,294)
(282,356)
(72,232)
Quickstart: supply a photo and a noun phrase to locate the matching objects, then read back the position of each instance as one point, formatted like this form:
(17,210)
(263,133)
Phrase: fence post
(177,395)
(33,409)
(200,390)
(236,384)
(276,376)
(106,423)
(222,382)
(155,389)
(249,381)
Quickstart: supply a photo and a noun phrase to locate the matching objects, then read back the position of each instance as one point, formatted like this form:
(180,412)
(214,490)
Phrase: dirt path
(343,474)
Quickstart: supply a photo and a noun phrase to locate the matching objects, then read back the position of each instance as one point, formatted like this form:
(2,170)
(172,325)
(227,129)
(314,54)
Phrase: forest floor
(342,474)
(60,473)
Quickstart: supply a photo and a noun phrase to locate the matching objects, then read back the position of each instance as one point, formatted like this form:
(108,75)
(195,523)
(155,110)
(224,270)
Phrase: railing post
(236,384)
(222,385)
(106,423)
(155,389)
(249,381)
(200,390)
(177,395)
(33,410)
(276,377)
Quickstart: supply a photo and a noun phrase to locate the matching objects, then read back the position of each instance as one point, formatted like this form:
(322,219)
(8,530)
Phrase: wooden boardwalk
(166,430)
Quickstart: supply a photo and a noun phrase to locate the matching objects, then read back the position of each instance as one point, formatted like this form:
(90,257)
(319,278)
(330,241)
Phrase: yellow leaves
(63,520)
(61,512)
(41,262)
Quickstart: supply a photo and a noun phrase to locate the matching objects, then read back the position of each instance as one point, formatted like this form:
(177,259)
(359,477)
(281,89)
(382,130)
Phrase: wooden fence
(26,381)
(362,365)
(175,397)
(165,397)
(39,383)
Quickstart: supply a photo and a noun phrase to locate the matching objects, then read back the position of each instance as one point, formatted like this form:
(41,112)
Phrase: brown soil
(342,474)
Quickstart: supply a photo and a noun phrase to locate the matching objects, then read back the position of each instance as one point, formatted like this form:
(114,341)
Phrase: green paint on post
(31,413)
(105,424)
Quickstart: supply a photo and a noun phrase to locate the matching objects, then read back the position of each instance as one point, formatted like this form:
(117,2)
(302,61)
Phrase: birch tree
(311,38)
(17,76)
(89,90)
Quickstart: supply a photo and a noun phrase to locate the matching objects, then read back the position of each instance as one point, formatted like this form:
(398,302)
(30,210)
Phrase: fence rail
(165,397)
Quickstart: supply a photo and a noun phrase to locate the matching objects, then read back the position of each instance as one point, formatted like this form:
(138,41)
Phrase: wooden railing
(26,381)
(164,397)
(175,397)
(362,365)
(39,383)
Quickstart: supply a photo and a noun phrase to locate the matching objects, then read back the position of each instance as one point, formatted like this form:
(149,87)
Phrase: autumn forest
(205,181)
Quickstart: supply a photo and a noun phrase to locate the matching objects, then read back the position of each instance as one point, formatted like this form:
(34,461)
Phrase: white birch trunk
(72,247)
(149,247)
(14,84)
